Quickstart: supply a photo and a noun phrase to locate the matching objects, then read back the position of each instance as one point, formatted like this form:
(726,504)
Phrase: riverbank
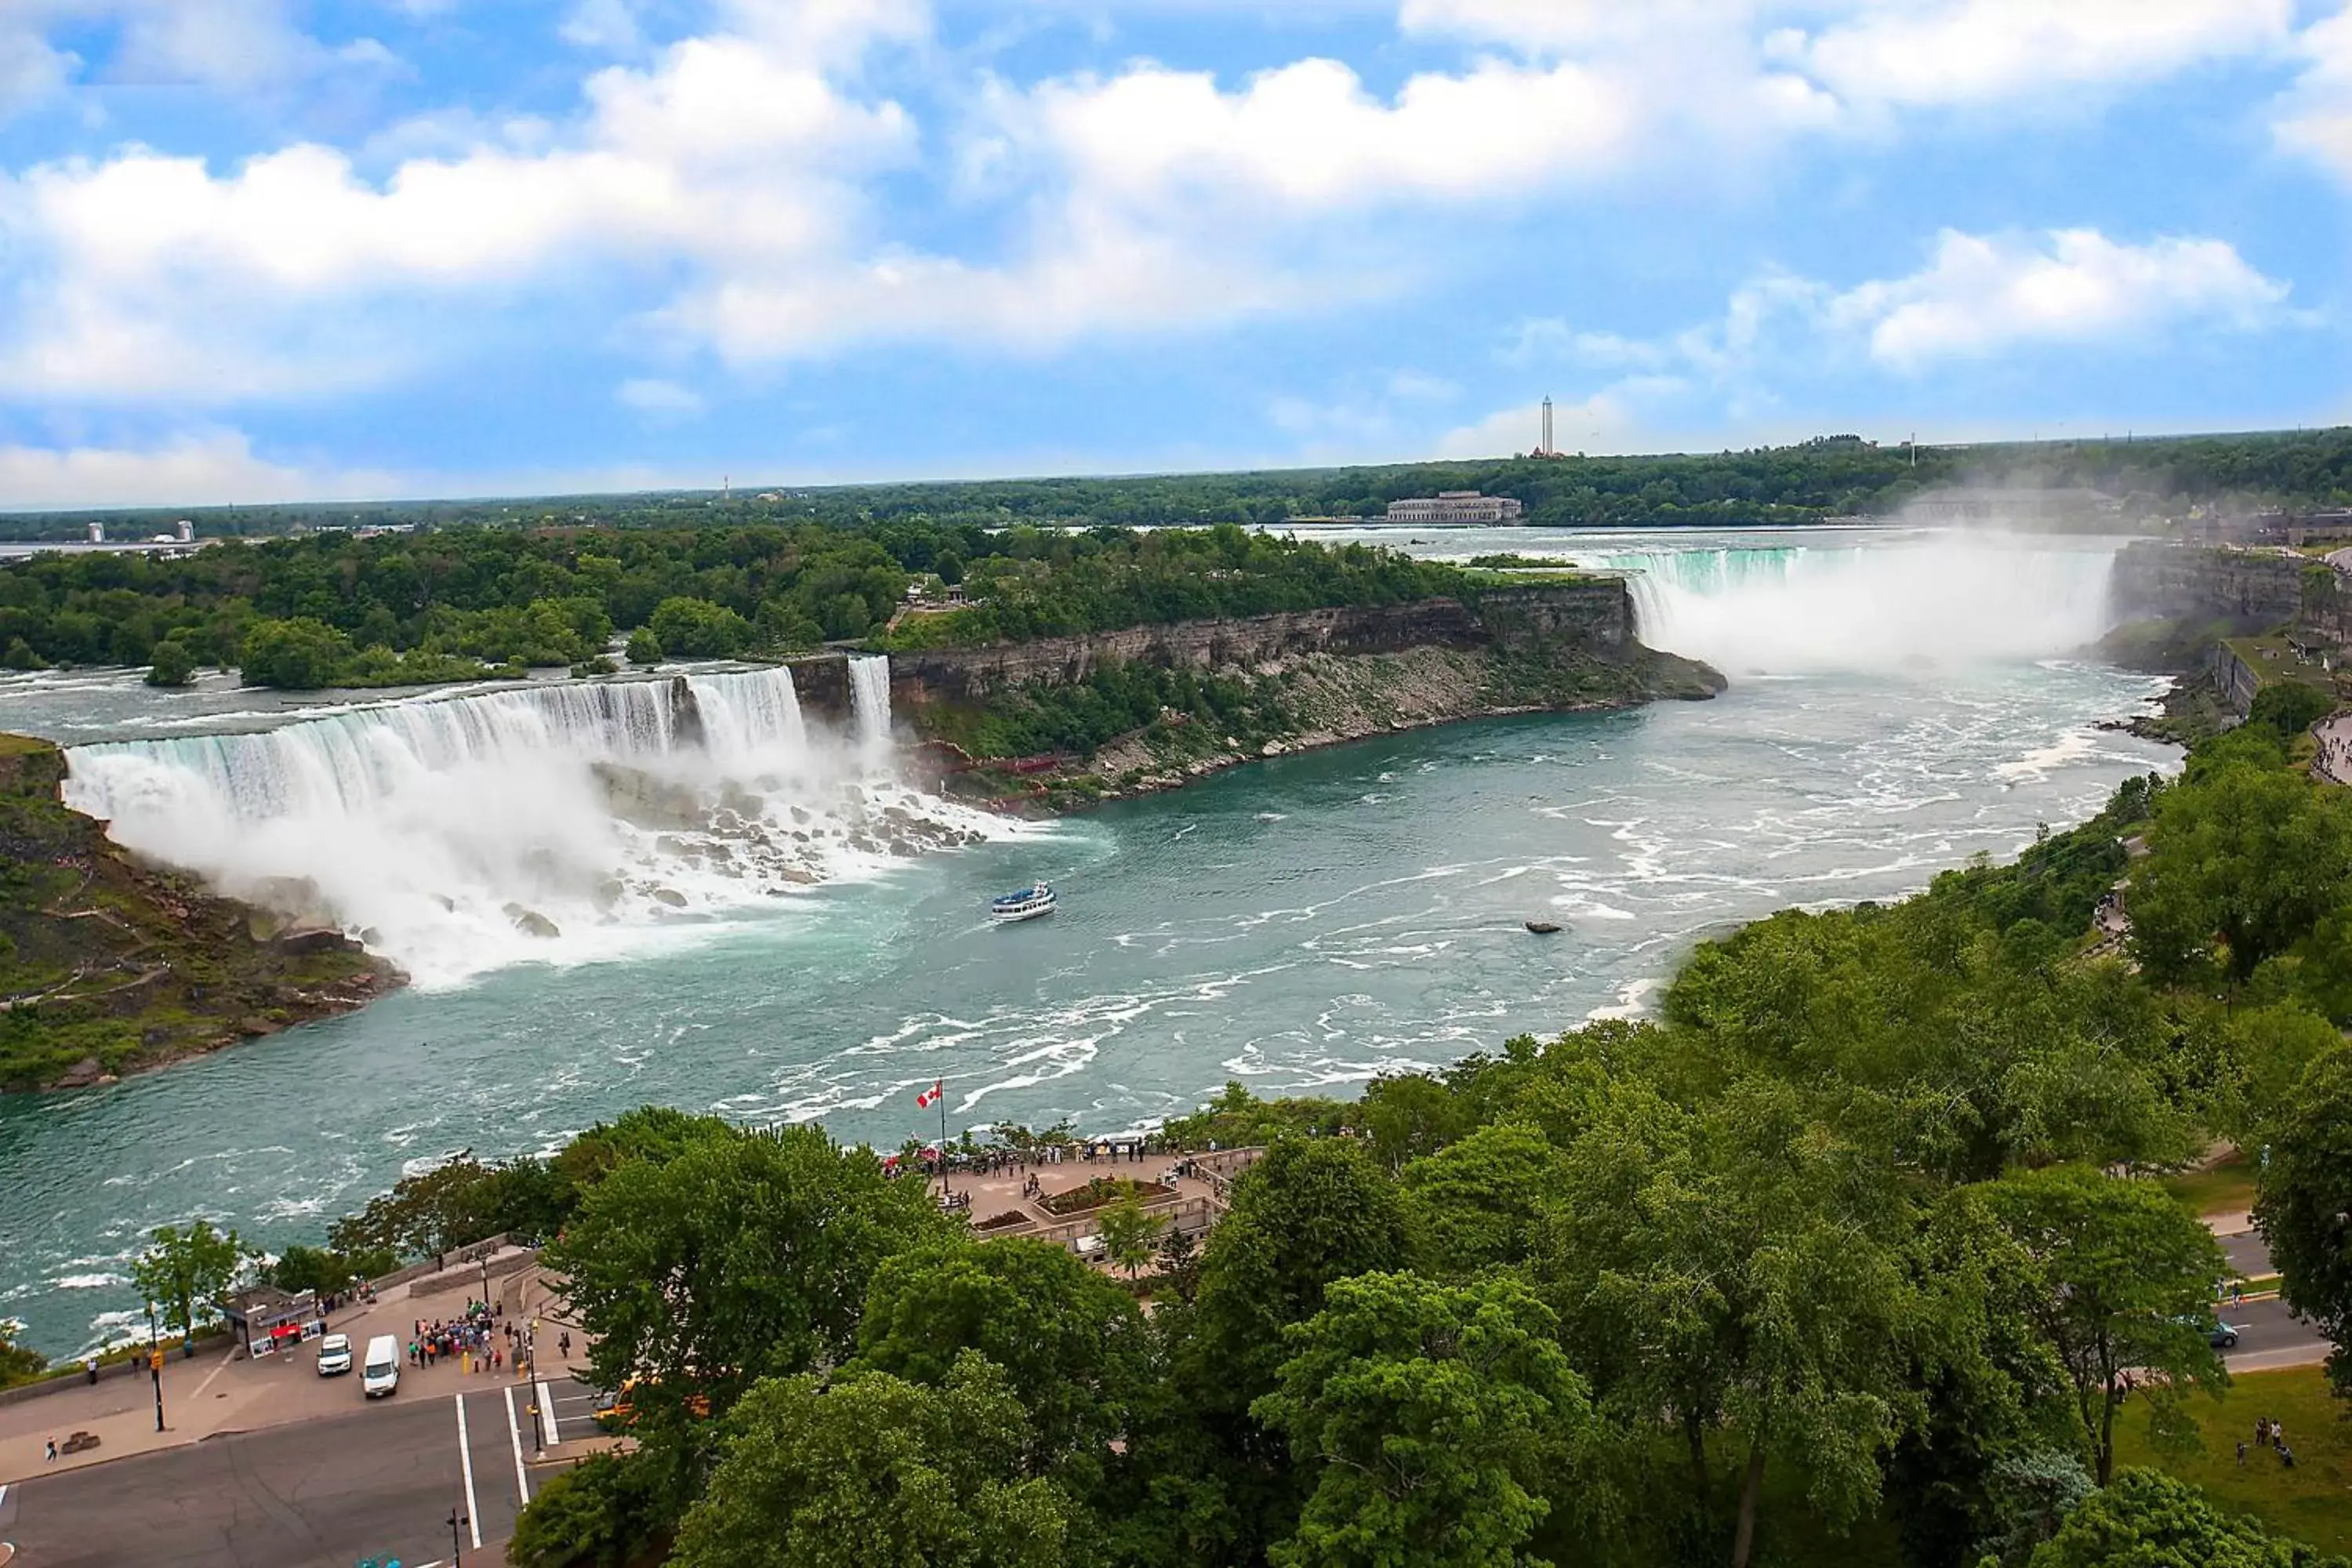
(110,965)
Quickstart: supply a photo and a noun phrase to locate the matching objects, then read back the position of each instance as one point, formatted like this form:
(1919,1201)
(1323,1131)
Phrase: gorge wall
(2157,580)
(1595,617)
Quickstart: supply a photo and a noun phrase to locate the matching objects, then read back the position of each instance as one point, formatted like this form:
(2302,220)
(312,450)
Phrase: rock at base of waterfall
(530,922)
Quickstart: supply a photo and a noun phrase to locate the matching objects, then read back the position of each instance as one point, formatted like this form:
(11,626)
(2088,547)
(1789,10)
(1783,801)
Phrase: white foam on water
(560,823)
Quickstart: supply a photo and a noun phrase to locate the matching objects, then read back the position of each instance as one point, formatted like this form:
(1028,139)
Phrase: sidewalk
(217,1393)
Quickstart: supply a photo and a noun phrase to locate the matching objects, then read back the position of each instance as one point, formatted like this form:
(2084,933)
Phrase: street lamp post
(457,1544)
(155,1364)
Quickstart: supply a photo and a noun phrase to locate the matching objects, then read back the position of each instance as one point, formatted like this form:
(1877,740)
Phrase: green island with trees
(1860,1252)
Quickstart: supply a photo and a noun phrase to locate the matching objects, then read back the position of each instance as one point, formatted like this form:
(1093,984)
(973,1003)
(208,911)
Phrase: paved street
(2249,1257)
(379,1482)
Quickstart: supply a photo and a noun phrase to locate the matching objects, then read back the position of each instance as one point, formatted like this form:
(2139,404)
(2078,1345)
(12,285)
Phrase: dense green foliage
(1799,483)
(341,610)
(184,1270)
(18,1363)
(2306,1196)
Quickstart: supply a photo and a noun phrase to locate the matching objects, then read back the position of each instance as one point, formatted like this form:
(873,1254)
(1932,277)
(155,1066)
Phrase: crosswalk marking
(547,1416)
(514,1436)
(466,1462)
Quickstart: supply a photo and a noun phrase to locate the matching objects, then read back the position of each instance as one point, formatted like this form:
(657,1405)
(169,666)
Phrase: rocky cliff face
(2251,592)
(1595,617)
(108,965)
(1293,682)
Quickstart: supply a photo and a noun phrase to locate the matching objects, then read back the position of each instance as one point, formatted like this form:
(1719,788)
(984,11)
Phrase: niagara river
(764,919)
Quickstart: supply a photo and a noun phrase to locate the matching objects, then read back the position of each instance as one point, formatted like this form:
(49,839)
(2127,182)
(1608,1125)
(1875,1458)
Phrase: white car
(334,1354)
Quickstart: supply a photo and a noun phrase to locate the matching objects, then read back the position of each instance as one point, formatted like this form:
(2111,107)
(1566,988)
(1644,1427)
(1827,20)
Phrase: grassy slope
(2313,1501)
(108,965)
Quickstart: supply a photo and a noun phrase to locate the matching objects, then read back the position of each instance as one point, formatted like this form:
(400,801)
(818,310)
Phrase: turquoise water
(1302,923)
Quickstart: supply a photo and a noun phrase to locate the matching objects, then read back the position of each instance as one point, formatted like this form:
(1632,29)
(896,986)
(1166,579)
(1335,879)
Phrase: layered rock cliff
(1268,684)
(108,965)
(2247,589)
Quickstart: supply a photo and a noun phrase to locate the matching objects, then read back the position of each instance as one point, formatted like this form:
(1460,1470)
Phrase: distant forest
(1833,477)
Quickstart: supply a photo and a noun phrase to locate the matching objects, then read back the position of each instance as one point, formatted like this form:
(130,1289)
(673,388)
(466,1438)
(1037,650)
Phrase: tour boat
(1025,905)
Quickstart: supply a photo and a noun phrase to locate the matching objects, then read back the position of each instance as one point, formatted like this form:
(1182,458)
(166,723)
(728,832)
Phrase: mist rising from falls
(558,823)
(1937,600)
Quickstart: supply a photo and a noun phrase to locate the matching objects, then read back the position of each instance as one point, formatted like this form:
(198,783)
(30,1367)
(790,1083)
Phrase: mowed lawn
(2313,1501)
(2225,1188)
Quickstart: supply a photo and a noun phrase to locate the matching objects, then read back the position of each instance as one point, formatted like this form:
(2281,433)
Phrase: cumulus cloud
(1982,295)
(659,399)
(203,469)
(1938,53)
(2316,117)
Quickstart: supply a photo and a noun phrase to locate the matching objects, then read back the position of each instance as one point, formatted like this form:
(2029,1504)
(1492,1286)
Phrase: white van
(380,1373)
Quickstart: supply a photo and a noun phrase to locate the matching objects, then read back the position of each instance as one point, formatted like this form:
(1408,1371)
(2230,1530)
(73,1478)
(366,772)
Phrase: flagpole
(939,1086)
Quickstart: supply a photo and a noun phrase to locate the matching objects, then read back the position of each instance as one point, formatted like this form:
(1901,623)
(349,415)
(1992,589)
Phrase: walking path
(2333,763)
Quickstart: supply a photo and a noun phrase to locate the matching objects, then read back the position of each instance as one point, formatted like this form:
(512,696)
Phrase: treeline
(1777,485)
(1853,1256)
(340,610)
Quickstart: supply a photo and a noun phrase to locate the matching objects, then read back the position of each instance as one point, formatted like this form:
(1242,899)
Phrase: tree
(1479,1203)
(2305,1209)
(697,628)
(2252,855)
(1410,1115)
(1071,1344)
(1309,1211)
(1127,1233)
(644,649)
(1743,1270)
(458,1202)
(1427,1414)
(2125,1290)
(744,1258)
(871,1469)
(317,1269)
(18,1363)
(2145,1518)
(171,663)
(597,1514)
(186,1272)
(1179,1263)
(298,654)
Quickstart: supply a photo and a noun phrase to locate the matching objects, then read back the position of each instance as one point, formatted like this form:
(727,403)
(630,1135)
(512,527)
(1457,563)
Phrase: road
(380,1483)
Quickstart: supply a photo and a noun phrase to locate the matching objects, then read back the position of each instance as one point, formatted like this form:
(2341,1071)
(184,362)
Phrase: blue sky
(259,250)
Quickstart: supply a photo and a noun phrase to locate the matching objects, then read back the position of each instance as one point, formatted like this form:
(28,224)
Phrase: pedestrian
(91,1363)
(2286,1457)
(2278,1436)
(563,1342)
(52,1458)
(2242,1453)
(2262,1431)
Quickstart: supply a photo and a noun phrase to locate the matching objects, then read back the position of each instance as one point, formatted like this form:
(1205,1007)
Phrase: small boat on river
(1025,905)
(1543,928)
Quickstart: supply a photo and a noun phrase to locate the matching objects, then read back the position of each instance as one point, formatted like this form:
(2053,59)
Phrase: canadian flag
(930,1096)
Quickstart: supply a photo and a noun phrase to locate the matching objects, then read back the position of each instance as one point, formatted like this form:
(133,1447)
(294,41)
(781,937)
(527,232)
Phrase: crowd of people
(479,1340)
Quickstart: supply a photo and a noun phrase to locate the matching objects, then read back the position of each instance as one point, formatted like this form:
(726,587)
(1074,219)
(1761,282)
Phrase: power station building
(1456,509)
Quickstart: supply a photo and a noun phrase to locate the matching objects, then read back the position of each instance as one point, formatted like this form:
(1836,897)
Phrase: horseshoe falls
(742,921)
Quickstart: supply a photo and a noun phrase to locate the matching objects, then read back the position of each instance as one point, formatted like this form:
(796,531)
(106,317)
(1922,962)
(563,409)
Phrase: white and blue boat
(1025,905)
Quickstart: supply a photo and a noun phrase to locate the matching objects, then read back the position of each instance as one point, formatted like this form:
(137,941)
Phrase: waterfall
(558,822)
(1934,600)
(869,702)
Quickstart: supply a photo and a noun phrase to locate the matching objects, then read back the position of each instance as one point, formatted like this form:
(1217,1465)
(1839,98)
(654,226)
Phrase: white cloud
(1947,52)
(609,25)
(661,399)
(2316,117)
(207,469)
(1980,296)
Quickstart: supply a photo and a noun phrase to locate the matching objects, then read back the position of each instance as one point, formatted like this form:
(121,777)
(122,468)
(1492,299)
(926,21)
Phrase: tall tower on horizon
(1546,449)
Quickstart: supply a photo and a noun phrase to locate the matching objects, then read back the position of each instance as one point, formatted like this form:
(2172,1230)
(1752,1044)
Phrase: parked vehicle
(380,1373)
(334,1355)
